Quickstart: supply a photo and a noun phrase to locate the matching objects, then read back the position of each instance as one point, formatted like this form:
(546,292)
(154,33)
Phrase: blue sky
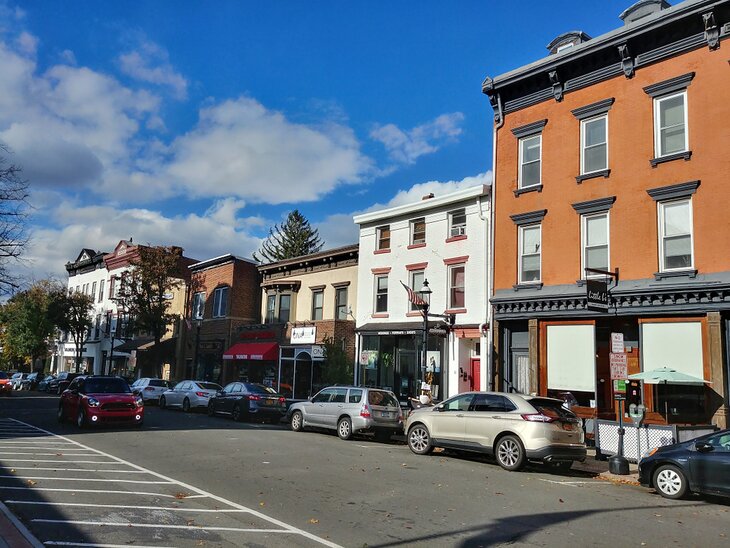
(201,124)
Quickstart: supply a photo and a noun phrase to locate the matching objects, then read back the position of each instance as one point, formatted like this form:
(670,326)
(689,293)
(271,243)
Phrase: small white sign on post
(619,366)
(617,343)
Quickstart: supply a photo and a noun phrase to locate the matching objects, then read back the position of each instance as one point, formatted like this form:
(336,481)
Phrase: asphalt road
(190,480)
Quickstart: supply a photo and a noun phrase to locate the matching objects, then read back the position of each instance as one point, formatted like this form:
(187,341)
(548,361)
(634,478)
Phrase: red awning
(252,351)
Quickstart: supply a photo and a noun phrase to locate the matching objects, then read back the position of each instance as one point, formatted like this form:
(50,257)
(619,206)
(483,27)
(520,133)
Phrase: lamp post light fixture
(425,294)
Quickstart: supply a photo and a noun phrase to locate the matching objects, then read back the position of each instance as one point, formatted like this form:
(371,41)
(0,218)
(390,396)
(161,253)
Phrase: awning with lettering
(261,351)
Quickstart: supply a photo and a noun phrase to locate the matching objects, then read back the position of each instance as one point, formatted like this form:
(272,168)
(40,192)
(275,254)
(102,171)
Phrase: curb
(13,533)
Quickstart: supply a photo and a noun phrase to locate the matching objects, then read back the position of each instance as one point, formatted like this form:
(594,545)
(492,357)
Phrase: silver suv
(350,410)
(514,428)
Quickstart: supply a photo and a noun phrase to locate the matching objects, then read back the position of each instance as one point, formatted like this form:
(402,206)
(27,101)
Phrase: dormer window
(567,40)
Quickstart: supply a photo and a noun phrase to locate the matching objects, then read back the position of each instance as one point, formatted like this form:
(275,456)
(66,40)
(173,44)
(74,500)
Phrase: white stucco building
(444,240)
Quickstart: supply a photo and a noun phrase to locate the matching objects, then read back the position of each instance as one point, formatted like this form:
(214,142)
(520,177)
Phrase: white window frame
(198,309)
(583,147)
(270,314)
(657,120)
(457,229)
(412,307)
(661,228)
(218,301)
(315,308)
(539,160)
(584,240)
(375,293)
(413,231)
(451,305)
(521,255)
(379,237)
(289,310)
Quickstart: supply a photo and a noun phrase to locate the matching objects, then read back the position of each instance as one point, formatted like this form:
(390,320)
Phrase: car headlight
(649,453)
(92,402)
(139,401)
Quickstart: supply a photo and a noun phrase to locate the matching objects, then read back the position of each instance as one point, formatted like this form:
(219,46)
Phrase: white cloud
(338,230)
(27,43)
(150,63)
(68,57)
(406,147)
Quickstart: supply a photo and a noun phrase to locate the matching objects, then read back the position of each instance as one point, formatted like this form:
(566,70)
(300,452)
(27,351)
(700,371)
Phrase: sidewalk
(600,469)
(14,534)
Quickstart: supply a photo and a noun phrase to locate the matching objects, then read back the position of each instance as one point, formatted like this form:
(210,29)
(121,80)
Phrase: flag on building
(413,297)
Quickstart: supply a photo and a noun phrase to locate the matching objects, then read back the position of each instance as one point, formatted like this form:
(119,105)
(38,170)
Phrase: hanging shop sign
(303,335)
(597,295)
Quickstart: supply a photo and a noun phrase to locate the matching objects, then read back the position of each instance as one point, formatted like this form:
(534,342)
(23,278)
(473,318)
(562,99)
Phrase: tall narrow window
(112,287)
(594,134)
(530,156)
(341,303)
(670,120)
(456,286)
(93,291)
(198,305)
(101,290)
(381,294)
(220,302)
(530,250)
(383,234)
(594,237)
(284,308)
(457,223)
(416,282)
(317,304)
(270,308)
(418,231)
(675,235)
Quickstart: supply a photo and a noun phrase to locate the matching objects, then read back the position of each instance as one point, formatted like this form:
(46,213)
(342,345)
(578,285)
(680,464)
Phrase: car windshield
(259,389)
(378,397)
(106,386)
(209,386)
(159,382)
(552,408)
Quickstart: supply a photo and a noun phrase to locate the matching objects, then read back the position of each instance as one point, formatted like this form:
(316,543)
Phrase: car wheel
(670,482)
(297,421)
(510,453)
(237,415)
(186,405)
(419,440)
(344,428)
(81,419)
(61,416)
(211,409)
(163,402)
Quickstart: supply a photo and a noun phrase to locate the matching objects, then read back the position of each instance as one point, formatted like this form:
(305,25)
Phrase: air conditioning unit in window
(459,230)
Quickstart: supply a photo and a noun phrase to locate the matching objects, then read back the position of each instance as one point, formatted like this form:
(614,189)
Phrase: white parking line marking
(48,448)
(61,462)
(131,507)
(91,545)
(60,452)
(163,526)
(288,528)
(53,468)
(106,491)
(101,480)
(575,483)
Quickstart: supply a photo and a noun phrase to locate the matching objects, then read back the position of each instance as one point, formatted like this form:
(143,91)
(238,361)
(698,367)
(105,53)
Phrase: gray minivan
(350,410)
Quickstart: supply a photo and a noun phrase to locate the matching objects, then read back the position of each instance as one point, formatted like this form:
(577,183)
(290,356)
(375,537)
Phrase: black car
(245,400)
(31,381)
(701,465)
(61,382)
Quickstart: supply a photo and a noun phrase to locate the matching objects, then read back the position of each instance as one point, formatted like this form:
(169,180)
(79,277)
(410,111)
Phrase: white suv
(350,410)
(514,428)
(150,389)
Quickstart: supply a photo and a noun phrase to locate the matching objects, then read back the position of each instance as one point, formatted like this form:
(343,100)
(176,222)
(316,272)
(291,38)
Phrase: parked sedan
(150,389)
(17,379)
(61,382)
(43,385)
(701,465)
(245,400)
(514,428)
(189,395)
(6,386)
(100,399)
(30,382)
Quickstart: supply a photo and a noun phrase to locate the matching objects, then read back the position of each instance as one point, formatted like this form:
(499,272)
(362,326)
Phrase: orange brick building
(611,154)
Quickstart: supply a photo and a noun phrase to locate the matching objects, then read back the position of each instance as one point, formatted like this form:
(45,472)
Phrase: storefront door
(405,374)
(302,376)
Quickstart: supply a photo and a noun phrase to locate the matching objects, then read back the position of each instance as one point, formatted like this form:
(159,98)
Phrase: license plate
(385,414)
(567,426)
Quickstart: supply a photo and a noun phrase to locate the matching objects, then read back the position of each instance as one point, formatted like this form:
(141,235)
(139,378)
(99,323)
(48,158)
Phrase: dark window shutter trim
(594,109)
(530,129)
(672,85)
(532,217)
(673,192)
(600,205)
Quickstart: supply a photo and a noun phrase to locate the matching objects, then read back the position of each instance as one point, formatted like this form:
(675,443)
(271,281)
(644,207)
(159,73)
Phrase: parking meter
(636,412)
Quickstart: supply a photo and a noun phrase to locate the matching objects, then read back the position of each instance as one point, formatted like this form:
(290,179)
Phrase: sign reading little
(597,295)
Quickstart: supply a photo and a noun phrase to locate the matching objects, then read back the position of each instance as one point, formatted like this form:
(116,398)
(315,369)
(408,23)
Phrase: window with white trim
(456,286)
(416,283)
(594,243)
(381,294)
(270,308)
(530,240)
(284,307)
(594,144)
(383,234)
(341,303)
(418,231)
(530,160)
(101,290)
(198,305)
(457,223)
(675,235)
(670,124)
(220,302)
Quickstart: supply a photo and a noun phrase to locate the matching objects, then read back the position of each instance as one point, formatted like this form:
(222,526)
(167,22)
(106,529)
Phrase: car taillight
(538,417)
(253,397)
(365,411)
(282,400)
(201,394)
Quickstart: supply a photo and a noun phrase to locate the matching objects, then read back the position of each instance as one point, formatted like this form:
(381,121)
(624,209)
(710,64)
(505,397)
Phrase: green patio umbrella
(667,375)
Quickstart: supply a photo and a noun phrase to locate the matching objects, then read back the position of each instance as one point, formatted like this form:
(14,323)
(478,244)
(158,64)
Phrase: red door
(474,380)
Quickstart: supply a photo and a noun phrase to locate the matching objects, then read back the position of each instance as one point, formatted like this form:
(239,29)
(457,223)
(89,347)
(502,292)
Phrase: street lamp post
(196,365)
(425,294)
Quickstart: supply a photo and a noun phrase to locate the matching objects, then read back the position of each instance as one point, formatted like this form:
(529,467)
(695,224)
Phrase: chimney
(642,9)
(427,196)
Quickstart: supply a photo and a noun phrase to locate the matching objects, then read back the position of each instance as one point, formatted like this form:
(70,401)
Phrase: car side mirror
(703,447)
(219,393)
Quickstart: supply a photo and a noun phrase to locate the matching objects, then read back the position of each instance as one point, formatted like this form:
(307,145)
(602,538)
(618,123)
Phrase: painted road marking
(55,469)
(50,454)
(58,489)
(575,483)
(56,460)
(91,545)
(100,480)
(130,507)
(128,524)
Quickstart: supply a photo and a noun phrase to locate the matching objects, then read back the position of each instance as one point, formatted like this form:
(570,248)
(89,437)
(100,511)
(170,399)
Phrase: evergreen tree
(294,238)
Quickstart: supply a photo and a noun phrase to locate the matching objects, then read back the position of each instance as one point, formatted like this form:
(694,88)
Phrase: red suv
(91,400)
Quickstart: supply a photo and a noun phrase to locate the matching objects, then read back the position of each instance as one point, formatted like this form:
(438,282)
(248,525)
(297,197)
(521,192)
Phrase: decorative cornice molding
(672,85)
(673,192)
(525,190)
(680,46)
(686,155)
(521,219)
(529,130)
(627,63)
(593,77)
(557,86)
(594,206)
(712,32)
(594,109)
(593,175)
